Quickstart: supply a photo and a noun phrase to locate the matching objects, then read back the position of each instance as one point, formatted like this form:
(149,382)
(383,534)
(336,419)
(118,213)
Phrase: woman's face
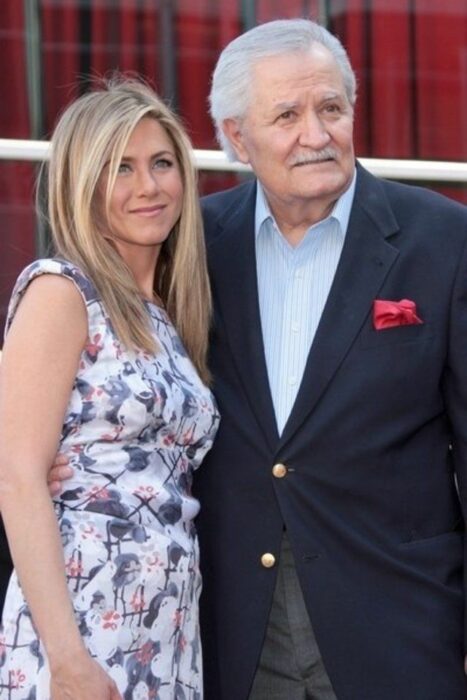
(146,199)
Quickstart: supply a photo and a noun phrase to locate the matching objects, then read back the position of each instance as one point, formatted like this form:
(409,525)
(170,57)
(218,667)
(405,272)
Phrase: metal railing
(394,169)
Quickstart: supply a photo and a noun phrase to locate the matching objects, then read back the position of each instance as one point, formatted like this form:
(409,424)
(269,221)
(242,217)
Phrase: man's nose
(313,132)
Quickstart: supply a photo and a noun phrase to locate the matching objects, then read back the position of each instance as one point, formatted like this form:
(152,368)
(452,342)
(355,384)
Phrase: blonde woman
(105,360)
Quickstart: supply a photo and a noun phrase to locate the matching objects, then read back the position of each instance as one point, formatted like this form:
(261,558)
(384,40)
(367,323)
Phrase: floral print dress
(136,427)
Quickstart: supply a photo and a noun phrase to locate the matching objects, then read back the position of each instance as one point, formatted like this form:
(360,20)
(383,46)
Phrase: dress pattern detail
(136,427)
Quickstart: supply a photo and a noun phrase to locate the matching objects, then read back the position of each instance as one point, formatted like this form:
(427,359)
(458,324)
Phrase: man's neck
(294,218)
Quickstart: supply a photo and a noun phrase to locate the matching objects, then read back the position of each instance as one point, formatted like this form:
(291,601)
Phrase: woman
(105,359)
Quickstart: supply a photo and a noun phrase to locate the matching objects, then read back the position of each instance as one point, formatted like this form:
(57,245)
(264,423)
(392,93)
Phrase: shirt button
(295,327)
(268,560)
(292,380)
(279,470)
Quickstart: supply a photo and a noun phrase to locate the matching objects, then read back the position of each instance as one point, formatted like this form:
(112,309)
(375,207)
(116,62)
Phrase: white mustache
(315,156)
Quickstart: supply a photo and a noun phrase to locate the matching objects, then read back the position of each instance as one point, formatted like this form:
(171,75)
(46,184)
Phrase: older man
(331,526)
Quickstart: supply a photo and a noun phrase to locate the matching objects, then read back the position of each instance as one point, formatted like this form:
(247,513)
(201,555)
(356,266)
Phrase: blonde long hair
(92,132)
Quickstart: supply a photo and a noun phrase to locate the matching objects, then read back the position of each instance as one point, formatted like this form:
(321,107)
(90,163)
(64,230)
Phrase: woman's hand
(82,678)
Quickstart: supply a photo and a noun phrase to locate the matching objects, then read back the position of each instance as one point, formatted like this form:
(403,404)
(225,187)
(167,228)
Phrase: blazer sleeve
(455,386)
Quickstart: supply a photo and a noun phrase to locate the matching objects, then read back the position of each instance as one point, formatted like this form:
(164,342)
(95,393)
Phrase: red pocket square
(388,314)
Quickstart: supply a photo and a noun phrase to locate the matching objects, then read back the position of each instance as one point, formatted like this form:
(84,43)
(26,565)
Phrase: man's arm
(59,472)
(455,387)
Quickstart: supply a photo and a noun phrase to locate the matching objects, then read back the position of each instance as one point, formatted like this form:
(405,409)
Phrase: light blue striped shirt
(293,285)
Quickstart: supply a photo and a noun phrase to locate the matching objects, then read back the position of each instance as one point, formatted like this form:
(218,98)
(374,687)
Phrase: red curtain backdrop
(267,10)
(16,179)
(86,41)
(124,37)
(203,28)
(410,58)
(60,27)
(441,89)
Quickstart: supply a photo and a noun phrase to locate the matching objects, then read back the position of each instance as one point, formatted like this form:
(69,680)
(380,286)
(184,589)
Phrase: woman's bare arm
(38,368)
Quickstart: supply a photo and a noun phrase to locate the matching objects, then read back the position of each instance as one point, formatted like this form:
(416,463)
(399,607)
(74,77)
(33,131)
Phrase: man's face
(297,133)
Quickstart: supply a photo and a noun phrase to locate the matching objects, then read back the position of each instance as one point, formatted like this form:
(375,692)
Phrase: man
(331,528)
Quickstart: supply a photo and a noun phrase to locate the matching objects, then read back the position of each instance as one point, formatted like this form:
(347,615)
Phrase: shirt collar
(340,211)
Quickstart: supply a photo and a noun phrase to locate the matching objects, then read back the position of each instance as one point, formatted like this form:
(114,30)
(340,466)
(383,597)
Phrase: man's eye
(286,115)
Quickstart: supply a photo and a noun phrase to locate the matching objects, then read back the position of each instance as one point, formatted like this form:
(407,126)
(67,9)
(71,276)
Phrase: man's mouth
(327,155)
(313,162)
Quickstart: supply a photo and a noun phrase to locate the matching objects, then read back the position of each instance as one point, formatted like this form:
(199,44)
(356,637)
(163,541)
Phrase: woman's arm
(39,364)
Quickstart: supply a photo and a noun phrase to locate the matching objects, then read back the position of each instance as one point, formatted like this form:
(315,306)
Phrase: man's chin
(326,186)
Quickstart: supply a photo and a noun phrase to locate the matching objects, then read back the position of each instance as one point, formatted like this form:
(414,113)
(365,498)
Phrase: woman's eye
(162,163)
(124,168)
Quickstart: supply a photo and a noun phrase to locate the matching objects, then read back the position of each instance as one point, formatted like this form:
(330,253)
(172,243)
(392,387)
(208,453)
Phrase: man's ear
(233,131)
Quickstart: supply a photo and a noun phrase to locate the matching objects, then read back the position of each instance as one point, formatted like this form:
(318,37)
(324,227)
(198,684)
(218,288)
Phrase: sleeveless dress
(136,427)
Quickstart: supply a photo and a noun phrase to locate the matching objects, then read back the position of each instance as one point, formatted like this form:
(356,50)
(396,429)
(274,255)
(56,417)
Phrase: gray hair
(231,81)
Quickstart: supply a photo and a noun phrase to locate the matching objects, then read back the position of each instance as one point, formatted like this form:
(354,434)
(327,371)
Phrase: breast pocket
(370,337)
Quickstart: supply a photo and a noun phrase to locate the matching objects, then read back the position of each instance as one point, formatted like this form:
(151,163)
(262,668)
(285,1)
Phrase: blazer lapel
(232,263)
(365,261)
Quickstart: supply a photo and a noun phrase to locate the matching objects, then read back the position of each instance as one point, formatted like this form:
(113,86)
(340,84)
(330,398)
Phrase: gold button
(279,470)
(268,560)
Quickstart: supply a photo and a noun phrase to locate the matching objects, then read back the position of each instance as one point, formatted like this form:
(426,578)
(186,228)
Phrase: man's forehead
(280,79)
(299,65)
(324,96)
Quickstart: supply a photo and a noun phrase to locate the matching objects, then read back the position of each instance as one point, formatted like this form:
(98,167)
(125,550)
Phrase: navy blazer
(373,445)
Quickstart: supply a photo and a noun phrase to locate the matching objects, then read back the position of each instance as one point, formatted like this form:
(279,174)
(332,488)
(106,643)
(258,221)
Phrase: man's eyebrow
(284,106)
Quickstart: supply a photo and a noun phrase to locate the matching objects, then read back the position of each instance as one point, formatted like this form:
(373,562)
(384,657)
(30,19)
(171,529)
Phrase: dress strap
(64,268)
